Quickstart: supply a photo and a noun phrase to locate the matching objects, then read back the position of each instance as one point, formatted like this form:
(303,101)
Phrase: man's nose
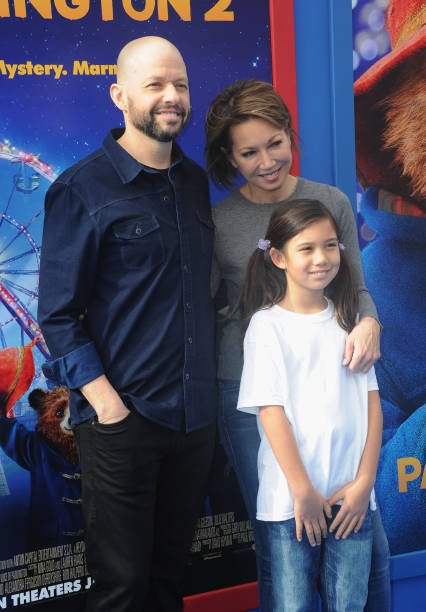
(170,93)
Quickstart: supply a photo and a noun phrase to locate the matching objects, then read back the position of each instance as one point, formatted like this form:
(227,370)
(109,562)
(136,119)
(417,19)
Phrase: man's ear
(118,96)
(277,258)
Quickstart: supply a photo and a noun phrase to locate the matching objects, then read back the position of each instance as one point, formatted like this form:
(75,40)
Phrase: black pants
(143,487)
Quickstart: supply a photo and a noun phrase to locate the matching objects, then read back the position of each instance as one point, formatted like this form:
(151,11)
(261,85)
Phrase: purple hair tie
(263,244)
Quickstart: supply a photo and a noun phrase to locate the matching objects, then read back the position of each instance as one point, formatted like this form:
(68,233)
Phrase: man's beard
(147,123)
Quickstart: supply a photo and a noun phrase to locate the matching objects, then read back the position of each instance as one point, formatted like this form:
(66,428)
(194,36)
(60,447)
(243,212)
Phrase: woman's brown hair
(237,103)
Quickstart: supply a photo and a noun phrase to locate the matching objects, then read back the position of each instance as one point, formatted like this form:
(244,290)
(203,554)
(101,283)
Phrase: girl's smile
(311,260)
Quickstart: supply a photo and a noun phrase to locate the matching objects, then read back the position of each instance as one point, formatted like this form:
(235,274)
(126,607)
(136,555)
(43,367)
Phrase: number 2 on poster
(219,12)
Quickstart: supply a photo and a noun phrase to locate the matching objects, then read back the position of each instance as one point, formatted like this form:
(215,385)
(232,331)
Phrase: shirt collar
(126,166)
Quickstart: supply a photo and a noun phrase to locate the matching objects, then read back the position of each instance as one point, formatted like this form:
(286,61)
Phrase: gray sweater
(239,225)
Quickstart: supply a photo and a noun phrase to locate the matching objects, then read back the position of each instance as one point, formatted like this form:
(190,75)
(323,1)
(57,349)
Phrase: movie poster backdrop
(392,230)
(57,60)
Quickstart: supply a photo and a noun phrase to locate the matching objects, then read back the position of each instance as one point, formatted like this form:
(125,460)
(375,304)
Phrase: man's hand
(105,401)
(363,346)
(113,415)
(309,513)
(350,517)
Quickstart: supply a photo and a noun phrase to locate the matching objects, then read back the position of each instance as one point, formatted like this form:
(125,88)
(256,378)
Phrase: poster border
(283,59)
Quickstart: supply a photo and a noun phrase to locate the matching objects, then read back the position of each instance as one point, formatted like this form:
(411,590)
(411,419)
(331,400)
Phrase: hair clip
(264,245)
(342,246)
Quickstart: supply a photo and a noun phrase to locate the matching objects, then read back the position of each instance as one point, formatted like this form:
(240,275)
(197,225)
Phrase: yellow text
(410,469)
(78,9)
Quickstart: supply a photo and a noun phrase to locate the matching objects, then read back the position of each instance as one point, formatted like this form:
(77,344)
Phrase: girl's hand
(362,348)
(309,512)
(350,517)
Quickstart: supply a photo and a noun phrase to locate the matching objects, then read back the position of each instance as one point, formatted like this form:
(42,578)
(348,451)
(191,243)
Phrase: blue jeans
(339,568)
(240,438)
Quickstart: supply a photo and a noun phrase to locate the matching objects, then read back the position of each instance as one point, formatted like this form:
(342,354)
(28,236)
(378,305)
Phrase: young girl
(320,423)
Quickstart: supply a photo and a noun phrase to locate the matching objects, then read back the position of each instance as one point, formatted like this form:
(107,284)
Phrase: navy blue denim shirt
(124,285)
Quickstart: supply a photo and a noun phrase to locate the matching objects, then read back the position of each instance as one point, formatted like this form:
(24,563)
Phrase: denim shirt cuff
(76,368)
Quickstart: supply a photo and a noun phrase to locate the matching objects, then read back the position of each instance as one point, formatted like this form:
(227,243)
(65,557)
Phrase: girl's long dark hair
(265,284)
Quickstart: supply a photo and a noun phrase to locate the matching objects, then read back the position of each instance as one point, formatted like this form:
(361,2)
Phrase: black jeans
(143,487)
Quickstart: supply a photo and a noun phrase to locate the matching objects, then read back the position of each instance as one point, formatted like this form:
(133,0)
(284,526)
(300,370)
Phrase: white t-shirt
(295,361)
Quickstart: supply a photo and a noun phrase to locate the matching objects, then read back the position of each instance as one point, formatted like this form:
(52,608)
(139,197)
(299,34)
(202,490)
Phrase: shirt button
(166,198)
(186,376)
(188,306)
(185,268)
(190,339)
(138,230)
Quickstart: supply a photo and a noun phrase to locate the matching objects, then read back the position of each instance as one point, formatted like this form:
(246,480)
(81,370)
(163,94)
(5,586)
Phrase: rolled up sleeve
(68,263)
(76,368)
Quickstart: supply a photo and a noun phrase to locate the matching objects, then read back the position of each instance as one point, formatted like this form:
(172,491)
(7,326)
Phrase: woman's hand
(309,511)
(363,345)
(350,517)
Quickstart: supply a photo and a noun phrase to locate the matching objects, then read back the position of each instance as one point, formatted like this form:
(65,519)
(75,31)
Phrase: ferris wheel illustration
(22,180)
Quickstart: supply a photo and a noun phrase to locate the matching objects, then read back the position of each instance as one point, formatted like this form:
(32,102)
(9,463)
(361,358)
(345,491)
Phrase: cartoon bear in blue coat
(395,269)
(390,111)
(49,453)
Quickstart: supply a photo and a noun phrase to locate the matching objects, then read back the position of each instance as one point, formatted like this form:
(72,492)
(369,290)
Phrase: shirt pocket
(206,229)
(140,241)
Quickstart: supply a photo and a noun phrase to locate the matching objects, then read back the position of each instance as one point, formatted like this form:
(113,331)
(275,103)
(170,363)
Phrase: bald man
(126,312)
